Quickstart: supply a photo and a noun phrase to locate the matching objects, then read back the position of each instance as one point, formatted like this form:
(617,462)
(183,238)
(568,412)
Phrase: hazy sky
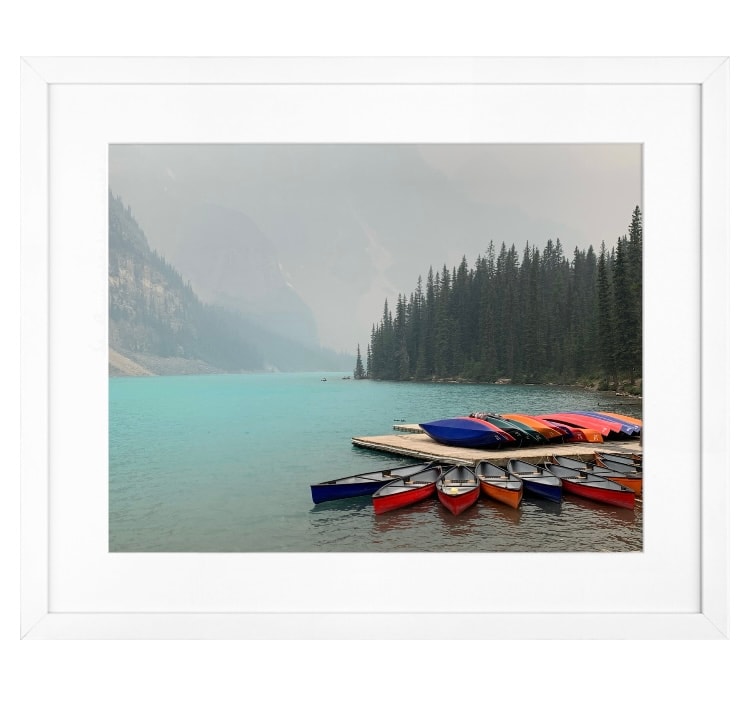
(352,225)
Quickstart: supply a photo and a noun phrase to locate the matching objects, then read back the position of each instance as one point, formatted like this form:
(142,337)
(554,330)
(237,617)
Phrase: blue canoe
(536,481)
(466,432)
(629,429)
(354,486)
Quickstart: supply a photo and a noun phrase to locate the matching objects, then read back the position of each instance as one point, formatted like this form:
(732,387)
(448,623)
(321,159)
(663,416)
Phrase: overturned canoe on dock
(353,486)
(406,491)
(573,434)
(497,483)
(550,434)
(466,432)
(458,488)
(591,486)
(536,480)
(626,428)
(522,436)
(607,430)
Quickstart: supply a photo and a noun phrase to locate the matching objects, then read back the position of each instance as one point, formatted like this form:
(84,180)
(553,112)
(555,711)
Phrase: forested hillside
(528,318)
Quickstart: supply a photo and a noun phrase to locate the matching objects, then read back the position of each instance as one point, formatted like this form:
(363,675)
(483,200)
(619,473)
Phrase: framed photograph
(90,126)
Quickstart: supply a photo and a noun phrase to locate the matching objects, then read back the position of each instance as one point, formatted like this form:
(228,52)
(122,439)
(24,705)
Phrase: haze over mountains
(159,325)
(348,226)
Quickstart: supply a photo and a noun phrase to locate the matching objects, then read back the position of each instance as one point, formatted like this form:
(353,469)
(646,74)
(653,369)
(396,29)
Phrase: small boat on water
(595,487)
(497,483)
(458,488)
(353,486)
(466,432)
(536,480)
(407,490)
(632,480)
(634,461)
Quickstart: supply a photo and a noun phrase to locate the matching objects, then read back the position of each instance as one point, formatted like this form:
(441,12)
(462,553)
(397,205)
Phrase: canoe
(632,480)
(550,433)
(521,436)
(623,417)
(575,434)
(407,490)
(458,488)
(497,483)
(629,429)
(536,481)
(531,433)
(571,419)
(591,486)
(353,486)
(466,432)
(634,460)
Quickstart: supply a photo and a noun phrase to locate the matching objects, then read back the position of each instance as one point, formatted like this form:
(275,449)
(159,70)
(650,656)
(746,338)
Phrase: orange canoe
(545,429)
(497,483)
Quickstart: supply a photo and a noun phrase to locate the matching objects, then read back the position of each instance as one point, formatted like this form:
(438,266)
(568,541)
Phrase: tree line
(534,317)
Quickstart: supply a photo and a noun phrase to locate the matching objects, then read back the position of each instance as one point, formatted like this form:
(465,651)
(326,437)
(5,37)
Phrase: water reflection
(538,525)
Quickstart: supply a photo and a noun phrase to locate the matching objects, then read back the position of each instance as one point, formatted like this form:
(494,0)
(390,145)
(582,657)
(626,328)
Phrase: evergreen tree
(359,370)
(531,318)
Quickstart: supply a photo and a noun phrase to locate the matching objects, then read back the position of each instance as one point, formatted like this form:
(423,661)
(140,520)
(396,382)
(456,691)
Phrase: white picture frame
(42,80)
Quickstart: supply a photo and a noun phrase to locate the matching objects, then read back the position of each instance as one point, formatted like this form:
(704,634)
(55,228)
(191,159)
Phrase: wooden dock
(410,441)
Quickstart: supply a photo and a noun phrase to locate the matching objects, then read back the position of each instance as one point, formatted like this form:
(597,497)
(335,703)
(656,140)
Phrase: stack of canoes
(498,430)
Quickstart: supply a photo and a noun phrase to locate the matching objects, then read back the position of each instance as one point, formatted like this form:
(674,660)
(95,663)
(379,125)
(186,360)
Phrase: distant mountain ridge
(229,262)
(159,324)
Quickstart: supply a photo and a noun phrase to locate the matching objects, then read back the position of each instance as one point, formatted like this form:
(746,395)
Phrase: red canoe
(593,487)
(577,435)
(458,488)
(630,479)
(406,491)
(604,427)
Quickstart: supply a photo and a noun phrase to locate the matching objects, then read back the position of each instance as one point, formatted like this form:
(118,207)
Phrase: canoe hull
(458,488)
(324,493)
(361,484)
(499,484)
(466,432)
(501,494)
(618,498)
(541,489)
(635,483)
(459,502)
(402,499)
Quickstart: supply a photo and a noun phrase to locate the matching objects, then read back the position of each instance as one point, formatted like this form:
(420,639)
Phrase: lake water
(223,463)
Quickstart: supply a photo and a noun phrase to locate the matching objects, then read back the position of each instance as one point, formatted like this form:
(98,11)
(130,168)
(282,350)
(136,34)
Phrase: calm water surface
(223,463)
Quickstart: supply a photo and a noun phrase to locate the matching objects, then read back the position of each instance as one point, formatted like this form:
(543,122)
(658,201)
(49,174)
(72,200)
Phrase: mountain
(158,323)
(229,262)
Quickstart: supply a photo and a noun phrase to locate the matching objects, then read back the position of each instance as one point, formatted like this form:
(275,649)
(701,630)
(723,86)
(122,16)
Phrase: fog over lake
(343,227)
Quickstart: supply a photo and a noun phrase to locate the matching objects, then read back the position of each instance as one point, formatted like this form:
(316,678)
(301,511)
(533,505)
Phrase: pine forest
(530,317)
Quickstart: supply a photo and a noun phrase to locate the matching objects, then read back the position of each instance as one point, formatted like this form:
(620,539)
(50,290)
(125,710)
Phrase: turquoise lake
(223,463)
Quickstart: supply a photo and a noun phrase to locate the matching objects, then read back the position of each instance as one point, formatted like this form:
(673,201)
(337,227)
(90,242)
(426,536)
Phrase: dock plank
(417,444)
